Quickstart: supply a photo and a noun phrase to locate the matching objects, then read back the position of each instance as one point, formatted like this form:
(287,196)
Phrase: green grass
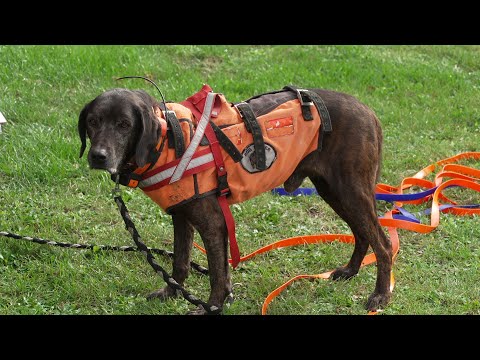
(425,96)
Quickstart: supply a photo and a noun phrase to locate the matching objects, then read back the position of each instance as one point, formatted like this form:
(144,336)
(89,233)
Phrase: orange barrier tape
(459,175)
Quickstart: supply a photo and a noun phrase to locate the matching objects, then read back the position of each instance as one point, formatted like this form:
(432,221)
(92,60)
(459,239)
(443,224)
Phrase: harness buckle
(168,112)
(223,188)
(301,94)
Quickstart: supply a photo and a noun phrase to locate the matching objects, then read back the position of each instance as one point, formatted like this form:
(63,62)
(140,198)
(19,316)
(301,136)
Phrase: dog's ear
(82,127)
(149,134)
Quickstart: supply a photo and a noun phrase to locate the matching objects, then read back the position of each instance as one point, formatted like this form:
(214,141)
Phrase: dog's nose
(99,155)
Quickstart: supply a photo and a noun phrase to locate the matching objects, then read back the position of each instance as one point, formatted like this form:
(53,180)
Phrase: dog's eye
(124,124)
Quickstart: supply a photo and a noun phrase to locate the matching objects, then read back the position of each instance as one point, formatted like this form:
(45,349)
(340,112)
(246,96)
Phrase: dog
(122,128)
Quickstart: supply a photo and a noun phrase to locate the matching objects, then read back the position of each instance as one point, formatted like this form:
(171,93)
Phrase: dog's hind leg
(182,248)
(355,204)
(361,243)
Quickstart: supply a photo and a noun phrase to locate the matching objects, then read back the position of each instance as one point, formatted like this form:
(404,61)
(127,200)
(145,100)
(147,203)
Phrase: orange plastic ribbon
(459,175)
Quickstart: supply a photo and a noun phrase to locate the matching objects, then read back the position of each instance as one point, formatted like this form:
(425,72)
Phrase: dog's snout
(101,158)
(99,155)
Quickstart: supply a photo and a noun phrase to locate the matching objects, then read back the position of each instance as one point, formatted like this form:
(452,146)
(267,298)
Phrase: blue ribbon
(299,191)
(405,197)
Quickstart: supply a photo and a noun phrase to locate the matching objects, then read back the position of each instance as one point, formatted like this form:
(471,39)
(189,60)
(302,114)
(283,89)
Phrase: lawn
(425,96)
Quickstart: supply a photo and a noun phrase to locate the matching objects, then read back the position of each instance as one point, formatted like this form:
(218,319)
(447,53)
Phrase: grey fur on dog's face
(121,127)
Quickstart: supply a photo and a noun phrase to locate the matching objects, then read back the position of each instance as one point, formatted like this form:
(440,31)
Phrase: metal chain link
(201,269)
(147,251)
(210,309)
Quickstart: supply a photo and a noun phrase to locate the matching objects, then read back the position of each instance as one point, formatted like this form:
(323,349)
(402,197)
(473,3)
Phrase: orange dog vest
(288,138)
(255,155)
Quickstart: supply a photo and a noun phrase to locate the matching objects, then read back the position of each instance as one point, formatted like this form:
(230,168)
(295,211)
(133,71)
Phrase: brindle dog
(123,130)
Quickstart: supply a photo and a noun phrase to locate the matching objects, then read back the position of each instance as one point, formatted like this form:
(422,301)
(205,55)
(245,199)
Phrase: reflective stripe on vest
(161,176)
(197,137)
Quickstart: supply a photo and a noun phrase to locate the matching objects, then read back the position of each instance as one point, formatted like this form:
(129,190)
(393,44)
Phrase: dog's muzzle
(99,159)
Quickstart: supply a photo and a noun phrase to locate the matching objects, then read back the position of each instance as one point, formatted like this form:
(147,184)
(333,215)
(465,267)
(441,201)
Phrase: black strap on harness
(308,98)
(322,110)
(251,124)
(305,101)
(226,143)
(174,132)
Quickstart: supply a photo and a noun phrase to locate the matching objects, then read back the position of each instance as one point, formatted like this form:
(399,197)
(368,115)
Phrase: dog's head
(122,129)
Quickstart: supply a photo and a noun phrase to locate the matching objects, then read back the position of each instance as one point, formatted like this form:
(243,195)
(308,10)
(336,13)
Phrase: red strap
(196,102)
(202,124)
(227,214)
(222,197)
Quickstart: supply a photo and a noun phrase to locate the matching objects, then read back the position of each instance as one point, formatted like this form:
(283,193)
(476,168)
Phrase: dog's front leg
(182,248)
(219,271)
(210,223)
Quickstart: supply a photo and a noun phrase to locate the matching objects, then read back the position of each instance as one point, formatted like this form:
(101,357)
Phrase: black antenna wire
(150,81)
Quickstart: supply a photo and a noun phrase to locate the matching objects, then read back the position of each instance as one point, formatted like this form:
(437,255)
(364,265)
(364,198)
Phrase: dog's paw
(343,273)
(162,294)
(377,301)
(200,311)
